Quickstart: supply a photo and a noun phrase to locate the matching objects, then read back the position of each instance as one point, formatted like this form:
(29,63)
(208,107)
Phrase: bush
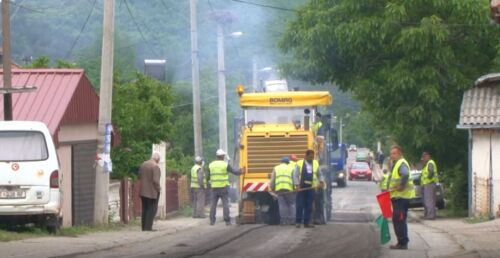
(456,183)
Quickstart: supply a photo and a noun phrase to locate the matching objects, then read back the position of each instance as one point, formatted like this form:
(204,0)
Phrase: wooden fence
(177,196)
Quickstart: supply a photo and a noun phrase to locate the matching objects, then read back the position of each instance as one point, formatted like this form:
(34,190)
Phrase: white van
(29,175)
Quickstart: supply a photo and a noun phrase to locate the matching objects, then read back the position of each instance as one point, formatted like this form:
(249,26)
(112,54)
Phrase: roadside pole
(6,62)
(105,107)
(340,131)
(222,87)
(195,74)
(221,18)
(255,83)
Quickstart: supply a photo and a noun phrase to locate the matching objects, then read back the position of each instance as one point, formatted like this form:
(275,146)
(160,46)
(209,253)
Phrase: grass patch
(21,233)
(9,233)
(186,211)
(477,219)
(134,222)
(452,213)
(81,230)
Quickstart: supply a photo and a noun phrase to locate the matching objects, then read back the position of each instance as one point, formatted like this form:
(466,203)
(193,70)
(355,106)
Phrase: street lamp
(236,34)
(341,125)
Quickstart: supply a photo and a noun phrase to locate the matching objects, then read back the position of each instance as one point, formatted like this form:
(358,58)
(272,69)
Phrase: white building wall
(480,171)
(496,171)
(64,154)
(485,148)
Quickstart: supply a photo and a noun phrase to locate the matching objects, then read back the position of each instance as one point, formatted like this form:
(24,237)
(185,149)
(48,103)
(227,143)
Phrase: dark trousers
(216,194)
(399,215)
(286,205)
(149,209)
(198,202)
(429,197)
(304,204)
(318,215)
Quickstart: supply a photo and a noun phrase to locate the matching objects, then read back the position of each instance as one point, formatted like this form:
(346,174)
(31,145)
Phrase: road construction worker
(317,123)
(293,161)
(198,186)
(282,183)
(219,183)
(428,180)
(383,181)
(308,179)
(402,191)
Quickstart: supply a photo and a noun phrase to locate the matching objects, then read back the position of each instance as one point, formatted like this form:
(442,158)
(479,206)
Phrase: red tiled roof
(63,96)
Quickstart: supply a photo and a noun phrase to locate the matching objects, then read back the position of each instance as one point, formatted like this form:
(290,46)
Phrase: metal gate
(83,182)
(171,194)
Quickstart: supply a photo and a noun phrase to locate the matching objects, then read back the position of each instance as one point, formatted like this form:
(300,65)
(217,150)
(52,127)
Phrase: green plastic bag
(385,234)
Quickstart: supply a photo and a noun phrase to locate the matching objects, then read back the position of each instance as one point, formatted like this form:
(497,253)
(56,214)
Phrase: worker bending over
(283,184)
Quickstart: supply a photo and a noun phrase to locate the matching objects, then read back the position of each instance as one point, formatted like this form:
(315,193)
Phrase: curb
(457,238)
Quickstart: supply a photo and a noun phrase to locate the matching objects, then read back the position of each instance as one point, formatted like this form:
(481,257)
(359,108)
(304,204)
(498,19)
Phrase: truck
(338,162)
(274,124)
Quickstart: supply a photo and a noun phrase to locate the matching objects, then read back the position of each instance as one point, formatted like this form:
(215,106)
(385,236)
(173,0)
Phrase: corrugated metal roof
(62,96)
(481,104)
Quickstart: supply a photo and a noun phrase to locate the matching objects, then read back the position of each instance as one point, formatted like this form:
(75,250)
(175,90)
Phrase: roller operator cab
(275,124)
(30,176)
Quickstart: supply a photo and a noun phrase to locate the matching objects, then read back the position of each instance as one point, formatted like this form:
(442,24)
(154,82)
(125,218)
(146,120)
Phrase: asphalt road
(350,234)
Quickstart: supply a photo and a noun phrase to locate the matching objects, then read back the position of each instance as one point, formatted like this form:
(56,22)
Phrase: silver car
(418,202)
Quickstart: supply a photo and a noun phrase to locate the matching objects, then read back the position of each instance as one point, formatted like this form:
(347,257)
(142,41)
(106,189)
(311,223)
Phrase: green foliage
(142,112)
(186,211)
(360,129)
(44,62)
(179,162)
(40,62)
(65,64)
(123,64)
(408,62)
(456,181)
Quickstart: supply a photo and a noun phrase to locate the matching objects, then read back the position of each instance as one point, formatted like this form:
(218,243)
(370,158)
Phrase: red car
(360,170)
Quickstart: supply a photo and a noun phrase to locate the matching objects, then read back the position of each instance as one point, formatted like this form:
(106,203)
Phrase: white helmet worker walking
(219,182)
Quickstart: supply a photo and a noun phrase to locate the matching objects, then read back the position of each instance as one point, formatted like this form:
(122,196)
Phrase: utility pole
(105,107)
(195,77)
(6,62)
(222,17)
(255,83)
(222,87)
(340,131)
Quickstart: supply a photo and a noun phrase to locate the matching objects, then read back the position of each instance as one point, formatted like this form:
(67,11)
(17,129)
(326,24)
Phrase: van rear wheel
(51,223)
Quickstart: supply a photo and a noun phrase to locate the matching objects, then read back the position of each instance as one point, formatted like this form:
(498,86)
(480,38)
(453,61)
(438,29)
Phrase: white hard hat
(220,152)
(198,159)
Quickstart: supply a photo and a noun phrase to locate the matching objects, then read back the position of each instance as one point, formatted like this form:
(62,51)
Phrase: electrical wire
(265,6)
(139,29)
(25,7)
(68,55)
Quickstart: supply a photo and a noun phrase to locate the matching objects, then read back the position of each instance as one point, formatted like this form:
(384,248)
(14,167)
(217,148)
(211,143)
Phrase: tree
(408,62)
(44,62)
(142,114)
(124,60)
(40,62)
(409,68)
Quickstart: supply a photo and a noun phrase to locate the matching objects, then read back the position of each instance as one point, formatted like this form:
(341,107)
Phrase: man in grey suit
(149,176)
